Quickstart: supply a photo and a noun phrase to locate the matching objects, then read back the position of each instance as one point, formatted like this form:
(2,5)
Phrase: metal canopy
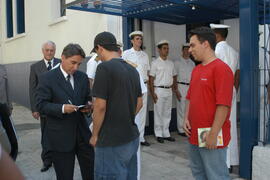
(168,11)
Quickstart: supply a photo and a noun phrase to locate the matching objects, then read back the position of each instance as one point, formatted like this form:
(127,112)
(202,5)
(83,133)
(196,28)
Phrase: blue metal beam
(249,84)
(94,10)
(128,27)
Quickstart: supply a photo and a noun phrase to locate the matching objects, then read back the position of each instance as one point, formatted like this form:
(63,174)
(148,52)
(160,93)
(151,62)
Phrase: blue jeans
(117,162)
(208,164)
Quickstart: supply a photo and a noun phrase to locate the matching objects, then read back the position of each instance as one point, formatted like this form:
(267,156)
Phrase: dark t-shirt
(118,83)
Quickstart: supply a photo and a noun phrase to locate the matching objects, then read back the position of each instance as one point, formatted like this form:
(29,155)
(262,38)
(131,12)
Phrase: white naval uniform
(228,55)
(163,72)
(141,59)
(91,67)
(184,69)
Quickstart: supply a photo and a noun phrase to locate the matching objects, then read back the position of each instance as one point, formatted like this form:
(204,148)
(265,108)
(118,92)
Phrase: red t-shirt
(210,85)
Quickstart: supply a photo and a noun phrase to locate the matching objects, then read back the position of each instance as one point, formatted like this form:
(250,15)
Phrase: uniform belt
(165,87)
(183,83)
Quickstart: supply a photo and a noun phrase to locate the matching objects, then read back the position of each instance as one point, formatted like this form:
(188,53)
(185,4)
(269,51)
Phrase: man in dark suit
(67,129)
(36,69)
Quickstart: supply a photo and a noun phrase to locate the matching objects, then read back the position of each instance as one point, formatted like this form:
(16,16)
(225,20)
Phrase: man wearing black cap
(117,93)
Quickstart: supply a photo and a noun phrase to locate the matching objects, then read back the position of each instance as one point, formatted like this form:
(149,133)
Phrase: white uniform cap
(139,33)
(162,42)
(186,45)
(219,26)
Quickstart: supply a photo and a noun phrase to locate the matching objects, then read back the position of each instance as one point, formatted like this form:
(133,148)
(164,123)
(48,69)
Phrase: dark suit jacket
(36,70)
(62,128)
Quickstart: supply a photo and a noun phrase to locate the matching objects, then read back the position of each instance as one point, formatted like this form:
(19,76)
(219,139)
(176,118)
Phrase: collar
(46,61)
(64,72)
(162,59)
(133,50)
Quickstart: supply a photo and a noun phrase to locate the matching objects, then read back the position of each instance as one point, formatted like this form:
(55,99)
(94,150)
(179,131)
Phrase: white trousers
(140,118)
(181,106)
(233,152)
(140,122)
(162,116)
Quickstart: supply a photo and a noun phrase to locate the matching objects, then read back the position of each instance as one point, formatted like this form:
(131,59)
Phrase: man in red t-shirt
(208,106)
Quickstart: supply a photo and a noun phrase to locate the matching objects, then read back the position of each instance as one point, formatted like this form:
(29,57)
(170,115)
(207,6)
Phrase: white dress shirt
(47,64)
(91,67)
(140,58)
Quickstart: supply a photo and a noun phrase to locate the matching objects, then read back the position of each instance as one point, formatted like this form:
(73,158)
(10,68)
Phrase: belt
(183,83)
(145,82)
(165,87)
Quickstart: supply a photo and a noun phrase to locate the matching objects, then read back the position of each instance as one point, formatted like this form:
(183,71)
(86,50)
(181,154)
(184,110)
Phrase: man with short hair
(140,58)
(183,67)
(208,105)
(162,82)
(117,93)
(36,69)
(63,101)
(228,55)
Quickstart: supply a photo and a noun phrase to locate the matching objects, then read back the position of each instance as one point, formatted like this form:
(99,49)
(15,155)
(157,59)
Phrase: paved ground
(168,161)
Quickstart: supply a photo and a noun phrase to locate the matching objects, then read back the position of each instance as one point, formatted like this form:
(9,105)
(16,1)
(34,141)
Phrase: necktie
(68,80)
(49,65)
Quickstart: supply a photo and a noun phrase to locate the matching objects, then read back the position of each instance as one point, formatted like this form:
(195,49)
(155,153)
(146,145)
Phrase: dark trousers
(64,161)
(46,155)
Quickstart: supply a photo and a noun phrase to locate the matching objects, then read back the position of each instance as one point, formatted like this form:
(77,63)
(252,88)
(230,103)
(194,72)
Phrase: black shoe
(169,139)
(182,134)
(45,167)
(160,139)
(145,143)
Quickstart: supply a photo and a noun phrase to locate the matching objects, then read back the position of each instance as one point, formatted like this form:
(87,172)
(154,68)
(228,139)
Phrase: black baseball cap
(106,40)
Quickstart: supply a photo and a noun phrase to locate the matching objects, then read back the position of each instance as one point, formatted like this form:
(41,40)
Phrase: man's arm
(186,125)
(175,88)
(237,79)
(152,89)
(32,92)
(98,118)
(139,104)
(8,169)
(220,117)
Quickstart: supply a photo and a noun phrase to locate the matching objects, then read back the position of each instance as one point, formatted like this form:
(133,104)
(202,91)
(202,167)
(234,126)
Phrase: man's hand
(69,108)
(178,95)
(93,141)
(211,140)
(155,98)
(36,115)
(87,108)
(187,128)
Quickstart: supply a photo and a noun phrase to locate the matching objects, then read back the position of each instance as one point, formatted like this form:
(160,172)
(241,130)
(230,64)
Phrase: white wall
(78,27)
(175,34)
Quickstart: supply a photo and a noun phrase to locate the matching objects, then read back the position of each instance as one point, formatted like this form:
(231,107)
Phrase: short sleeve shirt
(163,71)
(141,59)
(184,68)
(91,67)
(118,83)
(210,85)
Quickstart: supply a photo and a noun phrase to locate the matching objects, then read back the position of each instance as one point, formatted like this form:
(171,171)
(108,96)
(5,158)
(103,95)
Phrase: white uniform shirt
(139,58)
(228,55)
(183,69)
(91,68)
(163,71)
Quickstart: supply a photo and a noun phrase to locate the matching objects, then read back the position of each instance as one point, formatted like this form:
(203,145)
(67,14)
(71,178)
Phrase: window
(20,17)
(9,18)
(18,23)
(57,8)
